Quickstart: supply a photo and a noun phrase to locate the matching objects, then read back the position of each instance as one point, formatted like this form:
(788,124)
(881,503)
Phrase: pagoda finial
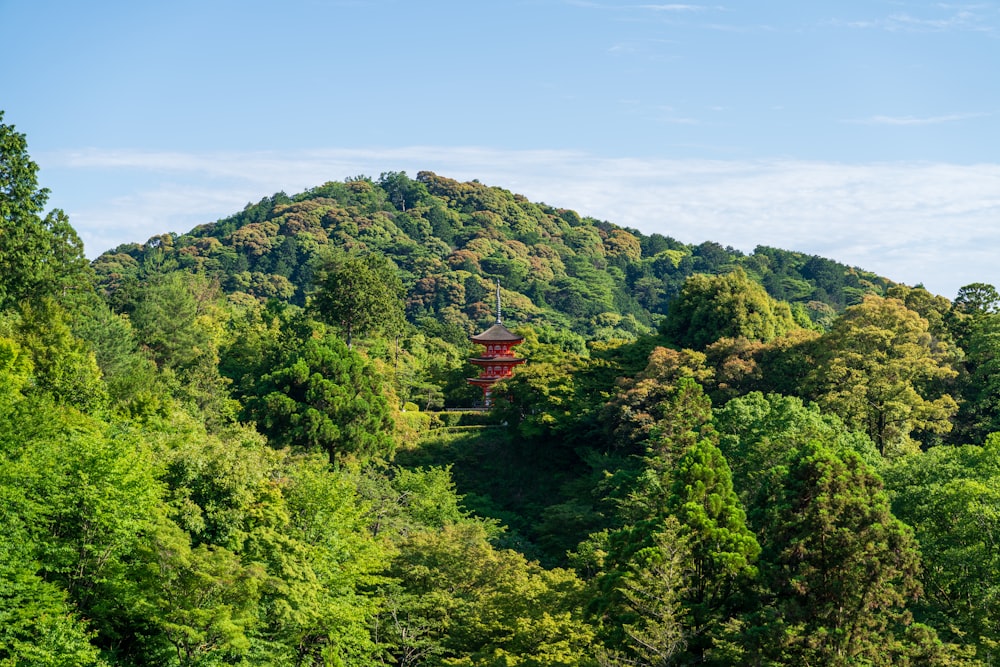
(498,301)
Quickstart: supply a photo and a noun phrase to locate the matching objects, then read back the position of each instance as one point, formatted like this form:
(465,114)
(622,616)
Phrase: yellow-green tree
(881,371)
(725,306)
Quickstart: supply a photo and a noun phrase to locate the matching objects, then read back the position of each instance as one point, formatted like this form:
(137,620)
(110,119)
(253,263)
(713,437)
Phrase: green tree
(840,568)
(977,298)
(645,406)
(978,414)
(881,371)
(64,367)
(38,625)
(654,591)
(275,561)
(951,497)
(179,320)
(359,295)
(541,400)
(170,320)
(81,500)
(723,550)
(685,482)
(330,562)
(38,256)
(323,396)
(203,600)
(404,192)
(760,435)
(725,306)
(464,602)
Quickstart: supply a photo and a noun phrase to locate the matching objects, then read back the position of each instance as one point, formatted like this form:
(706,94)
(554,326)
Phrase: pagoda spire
(498,302)
(497,361)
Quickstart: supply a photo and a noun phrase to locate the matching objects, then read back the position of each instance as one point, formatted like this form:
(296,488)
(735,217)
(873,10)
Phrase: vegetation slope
(226,446)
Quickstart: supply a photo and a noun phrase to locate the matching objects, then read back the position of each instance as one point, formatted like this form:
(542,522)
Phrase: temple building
(498,361)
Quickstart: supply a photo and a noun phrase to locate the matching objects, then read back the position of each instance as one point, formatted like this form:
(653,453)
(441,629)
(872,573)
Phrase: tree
(683,490)
(64,367)
(977,298)
(951,497)
(839,566)
(80,502)
(170,321)
(202,600)
(402,191)
(179,320)
(541,400)
(323,396)
(881,371)
(654,591)
(463,602)
(650,404)
(760,435)
(723,550)
(727,306)
(38,626)
(359,294)
(38,256)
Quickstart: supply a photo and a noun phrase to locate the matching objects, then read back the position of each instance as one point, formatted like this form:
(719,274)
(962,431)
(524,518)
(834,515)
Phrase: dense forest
(254,443)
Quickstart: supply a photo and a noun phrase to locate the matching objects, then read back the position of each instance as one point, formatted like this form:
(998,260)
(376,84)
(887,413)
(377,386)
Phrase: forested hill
(450,240)
(227,447)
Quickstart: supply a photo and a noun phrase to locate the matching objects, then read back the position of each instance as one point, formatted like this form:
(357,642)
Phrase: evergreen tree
(323,396)
(839,566)
(723,550)
(38,256)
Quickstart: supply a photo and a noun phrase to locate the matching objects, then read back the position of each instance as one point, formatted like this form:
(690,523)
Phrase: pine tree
(839,565)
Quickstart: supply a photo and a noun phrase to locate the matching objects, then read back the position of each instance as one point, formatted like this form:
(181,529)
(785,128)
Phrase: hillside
(451,240)
(226,448)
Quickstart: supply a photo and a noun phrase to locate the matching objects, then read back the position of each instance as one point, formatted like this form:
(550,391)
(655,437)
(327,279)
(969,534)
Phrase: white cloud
(970,18)
(914,222)
(918,120)
(674,8)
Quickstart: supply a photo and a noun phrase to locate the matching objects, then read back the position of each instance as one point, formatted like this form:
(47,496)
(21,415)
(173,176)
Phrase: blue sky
(867,132)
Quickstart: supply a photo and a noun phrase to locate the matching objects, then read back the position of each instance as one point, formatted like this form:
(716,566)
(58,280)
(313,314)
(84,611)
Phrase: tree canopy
(252,443)
(725,306)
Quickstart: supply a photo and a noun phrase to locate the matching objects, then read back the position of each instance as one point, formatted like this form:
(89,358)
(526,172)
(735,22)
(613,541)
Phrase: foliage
(725,306)
(325,397)
(978,415)
(951,497)
(359,294)
(39,256)
(760,436)
(448,241)
(480,605)
(839,566)
(145,524)
(880,370)
(654,590)
(639,409)
(723,549)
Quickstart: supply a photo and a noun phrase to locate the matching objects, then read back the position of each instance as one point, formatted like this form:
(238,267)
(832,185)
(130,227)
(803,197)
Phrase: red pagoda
(498,361)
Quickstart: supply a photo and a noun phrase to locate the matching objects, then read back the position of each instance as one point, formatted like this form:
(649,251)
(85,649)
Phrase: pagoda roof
(497,333)
(499,361)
